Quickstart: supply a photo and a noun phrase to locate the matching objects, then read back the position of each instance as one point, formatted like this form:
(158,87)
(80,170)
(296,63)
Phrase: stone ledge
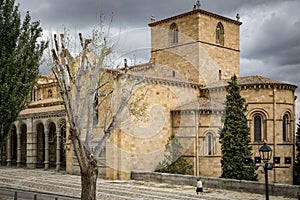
(275,189)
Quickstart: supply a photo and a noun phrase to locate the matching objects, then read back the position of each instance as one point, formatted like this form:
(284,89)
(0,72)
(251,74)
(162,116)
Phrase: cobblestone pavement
(63,184)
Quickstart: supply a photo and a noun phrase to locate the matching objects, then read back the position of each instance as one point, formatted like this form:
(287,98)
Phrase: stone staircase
(48,182)
(50,185)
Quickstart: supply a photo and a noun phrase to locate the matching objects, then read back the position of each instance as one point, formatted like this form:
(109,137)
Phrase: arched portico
(60,149)
(23,146)
(36,143)
(40,144)
(17,145)
(54,142)
(12,147)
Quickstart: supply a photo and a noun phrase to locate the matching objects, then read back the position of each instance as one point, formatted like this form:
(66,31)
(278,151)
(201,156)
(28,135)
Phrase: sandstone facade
(192,57)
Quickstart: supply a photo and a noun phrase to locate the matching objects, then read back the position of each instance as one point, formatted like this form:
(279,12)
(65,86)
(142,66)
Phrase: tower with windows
(192,55)
(200,46)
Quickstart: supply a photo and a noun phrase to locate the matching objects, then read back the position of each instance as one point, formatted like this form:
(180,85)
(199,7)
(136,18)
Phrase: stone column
(8,150)
(18,147)
(31,155)
(46,162)
(31,148)
(58,141)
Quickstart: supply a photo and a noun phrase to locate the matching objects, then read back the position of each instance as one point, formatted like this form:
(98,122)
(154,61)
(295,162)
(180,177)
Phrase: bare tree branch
(85,85)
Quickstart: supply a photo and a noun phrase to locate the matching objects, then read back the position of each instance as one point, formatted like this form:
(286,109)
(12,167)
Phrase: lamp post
(265,153)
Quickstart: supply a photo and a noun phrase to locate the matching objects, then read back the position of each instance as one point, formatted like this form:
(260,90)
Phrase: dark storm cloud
(70,13)
(85,13)
(270,30)
(270,33)
(276,38)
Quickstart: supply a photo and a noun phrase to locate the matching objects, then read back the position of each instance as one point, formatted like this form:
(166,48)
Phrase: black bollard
(34,197)
(16,196)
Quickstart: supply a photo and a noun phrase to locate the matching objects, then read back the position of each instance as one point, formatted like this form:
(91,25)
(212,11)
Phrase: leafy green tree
(20,54)
(235,136)
(174,163)
(297,161)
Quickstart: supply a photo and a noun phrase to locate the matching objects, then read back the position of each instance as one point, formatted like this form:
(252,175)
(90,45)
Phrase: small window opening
(174,32)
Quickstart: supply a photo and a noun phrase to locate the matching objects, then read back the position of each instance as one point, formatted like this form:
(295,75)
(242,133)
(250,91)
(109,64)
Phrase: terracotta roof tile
(49,76)
(249,80)
(152,71)
(257,80)
(201,104)
(45,101)
(40,110)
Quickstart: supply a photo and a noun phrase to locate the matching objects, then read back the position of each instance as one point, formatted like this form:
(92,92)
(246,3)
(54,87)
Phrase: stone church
(193,55)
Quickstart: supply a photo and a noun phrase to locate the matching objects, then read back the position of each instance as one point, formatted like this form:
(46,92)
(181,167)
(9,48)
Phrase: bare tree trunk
(78,90)
(88,167)
(89,182)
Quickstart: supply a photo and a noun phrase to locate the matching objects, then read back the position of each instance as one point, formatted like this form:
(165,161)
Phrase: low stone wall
(275,189)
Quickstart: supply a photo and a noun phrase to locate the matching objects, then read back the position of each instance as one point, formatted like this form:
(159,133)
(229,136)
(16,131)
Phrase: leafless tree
(86,85)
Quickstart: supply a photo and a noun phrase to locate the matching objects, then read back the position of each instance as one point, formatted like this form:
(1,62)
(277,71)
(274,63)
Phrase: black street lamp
(265,153)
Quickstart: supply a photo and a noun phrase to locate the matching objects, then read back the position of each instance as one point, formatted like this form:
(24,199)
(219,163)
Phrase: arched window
(34,93)
(173,34)
(257,128)
(220,34)
(50,94)
(52,133)
(285,128)
(210,143)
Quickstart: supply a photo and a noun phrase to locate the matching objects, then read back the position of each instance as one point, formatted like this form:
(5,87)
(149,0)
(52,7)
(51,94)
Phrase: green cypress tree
(297,161)
(235,136)
(174,163)
(20,54)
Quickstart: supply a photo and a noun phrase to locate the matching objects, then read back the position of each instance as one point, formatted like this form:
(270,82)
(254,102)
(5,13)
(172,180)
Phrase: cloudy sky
(270,34)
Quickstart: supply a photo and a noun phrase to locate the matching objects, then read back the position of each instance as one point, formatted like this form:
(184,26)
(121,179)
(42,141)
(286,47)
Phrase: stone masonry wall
(197,48)
(219,183)
(139,144)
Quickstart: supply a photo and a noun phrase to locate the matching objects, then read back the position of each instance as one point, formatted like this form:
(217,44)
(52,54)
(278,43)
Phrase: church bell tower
(201,46)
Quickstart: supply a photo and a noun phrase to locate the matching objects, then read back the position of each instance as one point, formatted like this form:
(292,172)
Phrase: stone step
(50,182)
(70,185)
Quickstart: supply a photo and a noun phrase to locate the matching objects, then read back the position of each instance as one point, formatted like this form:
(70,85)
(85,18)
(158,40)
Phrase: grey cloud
(276,38)
(270,46)
(270,34)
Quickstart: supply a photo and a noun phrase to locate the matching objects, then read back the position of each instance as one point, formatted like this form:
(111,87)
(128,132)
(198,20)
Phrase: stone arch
(174,34)
(34,94)
(220,34)
(286,122)
(210,140)
(63,140)
(288,112)
(52,142)
(257,122)
(22,127)
(13,146)
(261,111)
(39,128)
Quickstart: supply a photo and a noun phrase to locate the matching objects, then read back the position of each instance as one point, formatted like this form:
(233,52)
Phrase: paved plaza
(68,187)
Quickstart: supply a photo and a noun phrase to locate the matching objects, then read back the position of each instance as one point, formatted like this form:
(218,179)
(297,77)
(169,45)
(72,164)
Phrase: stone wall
(139,143)
(218,183)
(197,56)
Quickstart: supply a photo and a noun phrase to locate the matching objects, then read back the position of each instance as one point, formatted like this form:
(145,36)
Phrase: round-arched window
(220,34)
(174,34)
(257,128)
